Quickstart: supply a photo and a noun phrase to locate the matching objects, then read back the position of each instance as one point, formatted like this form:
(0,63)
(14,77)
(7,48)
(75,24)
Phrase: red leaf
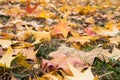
(89,31)
(30,9)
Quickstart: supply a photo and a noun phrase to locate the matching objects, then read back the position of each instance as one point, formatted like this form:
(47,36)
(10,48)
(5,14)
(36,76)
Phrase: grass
(107,71)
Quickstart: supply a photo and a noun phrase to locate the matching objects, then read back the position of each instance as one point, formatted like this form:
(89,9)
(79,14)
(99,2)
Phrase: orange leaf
(61,28)
(30,9)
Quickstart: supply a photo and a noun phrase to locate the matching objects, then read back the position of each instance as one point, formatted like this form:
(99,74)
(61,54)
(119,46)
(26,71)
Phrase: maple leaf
(115,53)
(30,9)
(78,75)
(61,28)
(6,43)
(39,36)
(115,40)
(90,20)
(28,53)
(43,14)
(107,32)
(82,39)
(89,31)
(7,57)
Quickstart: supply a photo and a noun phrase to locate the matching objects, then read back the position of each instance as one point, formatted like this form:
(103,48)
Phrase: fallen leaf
(115,54)
(7,57)
(54,75)
(107,32)
(90,20)
(78,75)
(6,43)
(89,31)
(30,9)
(43,14)
(29,53)
(82,39)
(115,40)
(39,36)
(61,28)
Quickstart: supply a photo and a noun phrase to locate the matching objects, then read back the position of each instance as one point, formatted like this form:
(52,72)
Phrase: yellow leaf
(43,14)
(82,39)
(22,0)
(6,43)
(7,57)
(88,8)
(23,45)
(39,36)
(90,20)
(109,25)
(78,75)
(54,75)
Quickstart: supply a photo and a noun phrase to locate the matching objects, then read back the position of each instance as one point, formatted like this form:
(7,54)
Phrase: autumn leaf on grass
(78,75)
(60,57)
(115,53)
(39,36)
(7,57)
(82,39)
(20,60)
(30,9)
(60,28)
(89,57)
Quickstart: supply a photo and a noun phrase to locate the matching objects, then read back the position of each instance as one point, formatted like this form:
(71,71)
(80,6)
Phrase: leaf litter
(59,40)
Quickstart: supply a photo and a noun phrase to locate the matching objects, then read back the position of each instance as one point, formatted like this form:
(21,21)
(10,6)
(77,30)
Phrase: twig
(106,74)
